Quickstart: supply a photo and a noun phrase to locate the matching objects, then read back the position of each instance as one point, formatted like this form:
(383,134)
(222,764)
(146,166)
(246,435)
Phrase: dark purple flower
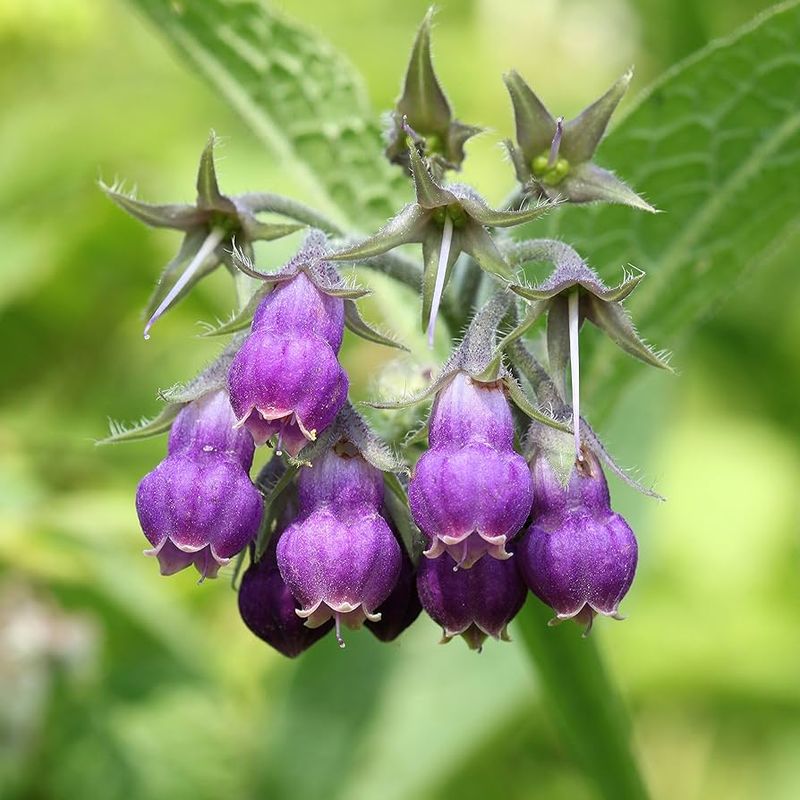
(286,379)
(340,559)
(470,493)
(578,556)
(198,505)
(269,610)
(474,603)
(401,608)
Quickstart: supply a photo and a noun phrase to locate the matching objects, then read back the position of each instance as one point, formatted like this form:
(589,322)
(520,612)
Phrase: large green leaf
(300,96)
(715,143)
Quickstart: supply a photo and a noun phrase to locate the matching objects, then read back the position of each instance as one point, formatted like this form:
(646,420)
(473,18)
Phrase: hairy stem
(265,201)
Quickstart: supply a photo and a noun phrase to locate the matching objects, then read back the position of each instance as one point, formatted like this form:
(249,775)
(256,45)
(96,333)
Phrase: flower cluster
(351,523)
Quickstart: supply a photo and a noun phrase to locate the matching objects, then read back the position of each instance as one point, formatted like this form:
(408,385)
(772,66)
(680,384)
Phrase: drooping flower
(339,558)
(473,603)
(470,493)
(286,380)
(578,556)
(269,609)
(198,506)
(401,608)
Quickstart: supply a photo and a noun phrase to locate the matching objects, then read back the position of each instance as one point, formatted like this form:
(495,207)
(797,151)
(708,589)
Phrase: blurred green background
(117,683)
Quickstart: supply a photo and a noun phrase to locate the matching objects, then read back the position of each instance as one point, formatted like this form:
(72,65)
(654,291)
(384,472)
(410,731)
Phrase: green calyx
(454,211)
(547,173)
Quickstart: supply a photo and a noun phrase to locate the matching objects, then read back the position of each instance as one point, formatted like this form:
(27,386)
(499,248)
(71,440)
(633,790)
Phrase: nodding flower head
(286,381)
(578,556)
(473,603)
(198,506)
(339,558)
(401,608)
(470,493)
(270,611)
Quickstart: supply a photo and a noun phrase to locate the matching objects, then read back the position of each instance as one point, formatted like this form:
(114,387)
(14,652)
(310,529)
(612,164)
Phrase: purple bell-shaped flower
(474,603)
(270,611)
(198,506)
(470,493)
(578,556)
(401,608)
(286,381)
(339,558)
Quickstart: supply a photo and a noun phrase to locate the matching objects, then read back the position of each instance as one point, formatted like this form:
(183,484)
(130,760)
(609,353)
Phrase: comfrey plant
(351,523)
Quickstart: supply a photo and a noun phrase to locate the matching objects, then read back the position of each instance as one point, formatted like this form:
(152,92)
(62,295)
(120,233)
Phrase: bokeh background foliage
(115,683)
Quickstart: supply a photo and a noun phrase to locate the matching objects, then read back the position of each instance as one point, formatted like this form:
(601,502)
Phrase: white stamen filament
(208,247)
(555,146)
(441,271)
(338,624)
(574,365)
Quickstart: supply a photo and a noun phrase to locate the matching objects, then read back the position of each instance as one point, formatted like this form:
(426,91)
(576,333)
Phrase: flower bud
(286,380)
(470,493)
(340,559)
(474,603)
(199,505)
(578,556)
(269,610)
(401,607)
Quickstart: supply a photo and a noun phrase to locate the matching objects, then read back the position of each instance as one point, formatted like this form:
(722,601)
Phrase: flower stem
(206,249)
(441,271)
(574,365)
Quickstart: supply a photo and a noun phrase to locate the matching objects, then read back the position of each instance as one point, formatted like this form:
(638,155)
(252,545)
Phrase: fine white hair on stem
(574,364)
(441,271)
(209,245)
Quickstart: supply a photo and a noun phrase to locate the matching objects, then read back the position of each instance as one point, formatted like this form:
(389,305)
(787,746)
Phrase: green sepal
(558,343)
(257,231)
(178,216)
(144,429)
(429,193)
(521,401)
(535,125)
(475,240)
(404,228)
(493,218)
(588,183)
(274,479)
(209,196)
(358,325)
(561,167)
(582,135)
(615,321)
(424,107)
(396,503)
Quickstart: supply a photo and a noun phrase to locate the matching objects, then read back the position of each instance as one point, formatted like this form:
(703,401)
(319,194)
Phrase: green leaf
(716,144)
(583,701)
(302,98)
